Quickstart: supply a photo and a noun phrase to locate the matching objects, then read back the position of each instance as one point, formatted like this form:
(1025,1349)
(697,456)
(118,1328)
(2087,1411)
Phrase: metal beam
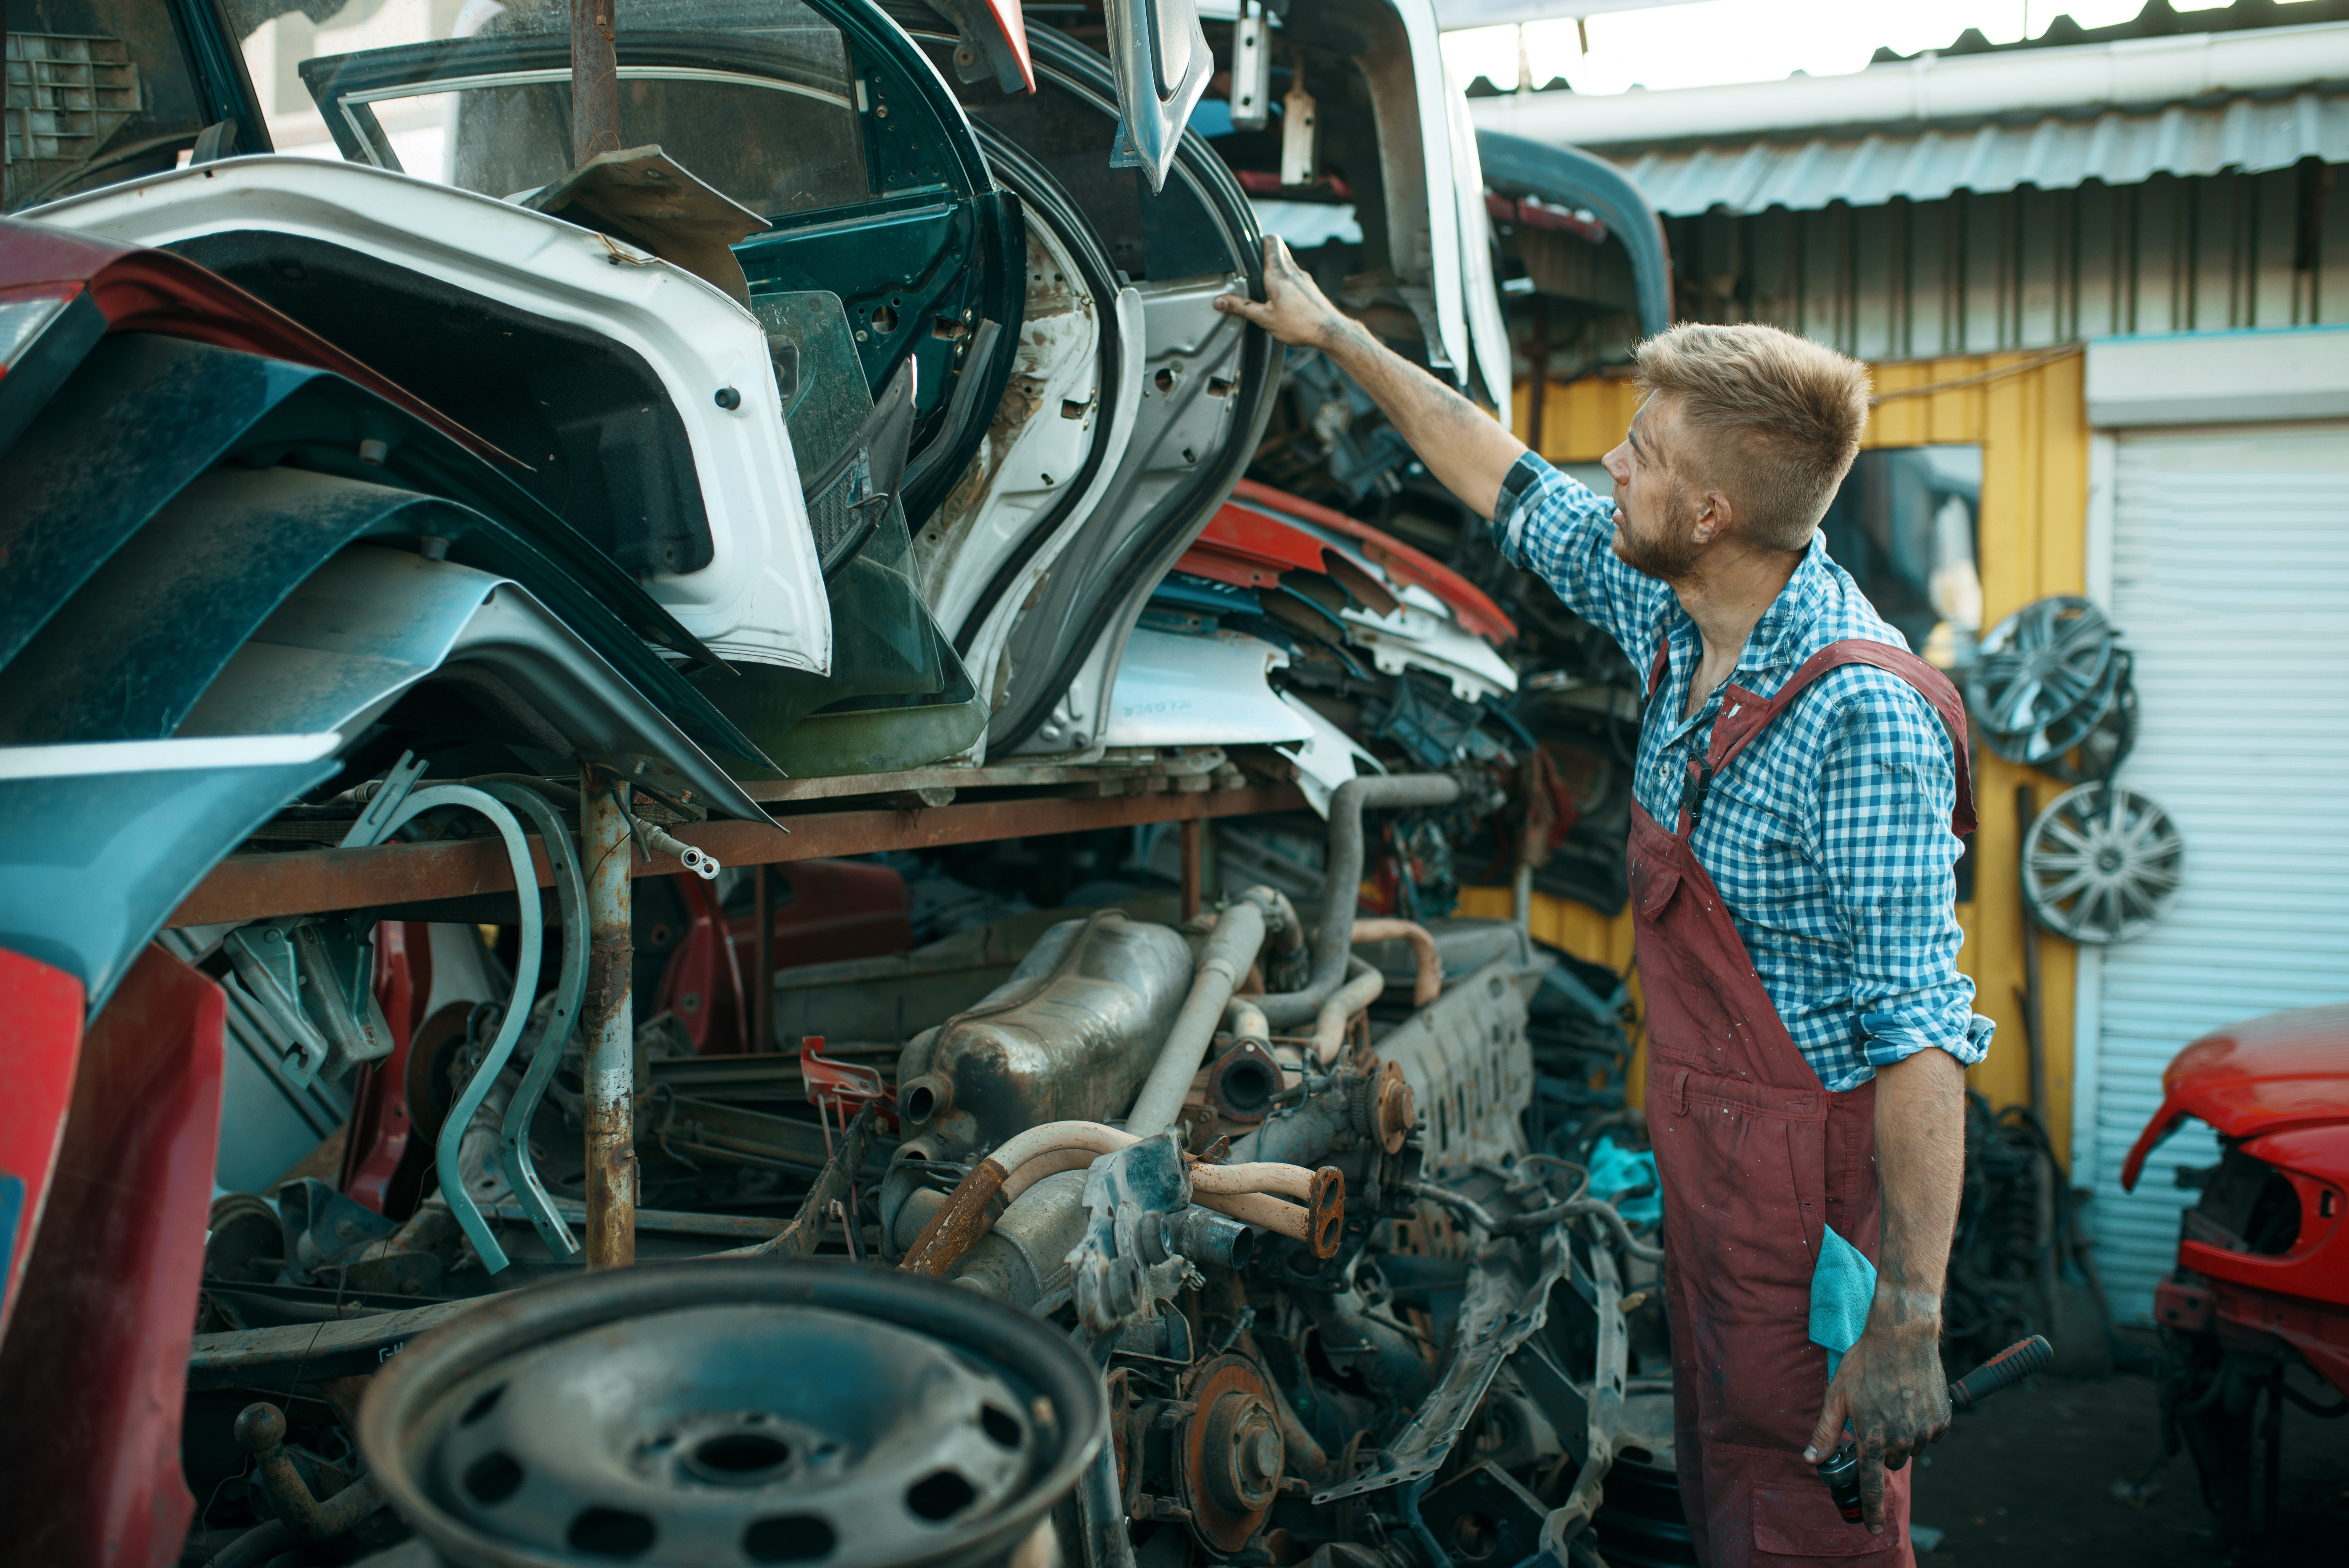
(315,882)
(595,81)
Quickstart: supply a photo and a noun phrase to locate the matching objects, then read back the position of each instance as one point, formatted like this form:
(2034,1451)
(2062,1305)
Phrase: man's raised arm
(1466,448)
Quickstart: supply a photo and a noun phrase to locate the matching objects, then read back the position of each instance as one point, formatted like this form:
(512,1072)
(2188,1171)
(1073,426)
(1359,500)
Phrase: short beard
(1671,558)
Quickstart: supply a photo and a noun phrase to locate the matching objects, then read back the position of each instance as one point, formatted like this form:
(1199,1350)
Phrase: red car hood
(2286,1071)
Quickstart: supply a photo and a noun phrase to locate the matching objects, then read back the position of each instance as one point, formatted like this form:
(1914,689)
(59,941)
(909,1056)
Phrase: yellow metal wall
(2031,425)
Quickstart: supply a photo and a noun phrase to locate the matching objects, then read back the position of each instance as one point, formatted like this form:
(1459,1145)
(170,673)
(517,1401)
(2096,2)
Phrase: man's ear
(1715,519)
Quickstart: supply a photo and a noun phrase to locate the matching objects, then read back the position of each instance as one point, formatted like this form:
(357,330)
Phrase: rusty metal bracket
(1500,1311)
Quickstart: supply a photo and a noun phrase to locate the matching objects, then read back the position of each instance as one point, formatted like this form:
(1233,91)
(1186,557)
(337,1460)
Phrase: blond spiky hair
(1775,420)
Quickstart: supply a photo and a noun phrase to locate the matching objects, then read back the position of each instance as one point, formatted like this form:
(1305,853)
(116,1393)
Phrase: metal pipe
(1202,1235)
(1429,983)
(1229,952)
(1192,836)
(1027,1157)
(1362,988)
(763,998)
(595,81)
(661,841)
(1044,1165)
(1521,896)
(2026,807)
(1343,872)
(1025,1255)
(261,1431)
(609,1028)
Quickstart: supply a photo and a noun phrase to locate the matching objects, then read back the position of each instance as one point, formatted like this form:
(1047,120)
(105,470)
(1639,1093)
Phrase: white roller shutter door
(2231,585)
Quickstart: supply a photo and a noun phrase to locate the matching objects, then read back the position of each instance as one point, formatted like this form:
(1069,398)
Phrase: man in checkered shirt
(1793,885)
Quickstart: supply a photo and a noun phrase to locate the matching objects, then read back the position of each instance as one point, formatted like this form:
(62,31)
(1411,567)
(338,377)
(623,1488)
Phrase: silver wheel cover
(2102,863)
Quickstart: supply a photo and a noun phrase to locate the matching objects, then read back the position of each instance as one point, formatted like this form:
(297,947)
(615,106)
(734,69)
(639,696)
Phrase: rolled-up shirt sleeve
(1888,860)
(1556,527)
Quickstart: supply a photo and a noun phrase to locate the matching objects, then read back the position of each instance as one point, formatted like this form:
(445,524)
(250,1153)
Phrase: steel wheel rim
(2101,864)
(724,1462)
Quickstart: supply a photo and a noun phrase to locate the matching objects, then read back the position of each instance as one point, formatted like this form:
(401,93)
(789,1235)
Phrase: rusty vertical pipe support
(609,1024)
(1193,835)
(2026,807)
(762,1001)
(595,80)
(1537,373)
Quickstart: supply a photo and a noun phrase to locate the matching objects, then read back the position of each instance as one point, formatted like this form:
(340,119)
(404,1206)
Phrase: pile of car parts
(504,487)
(1293,1244)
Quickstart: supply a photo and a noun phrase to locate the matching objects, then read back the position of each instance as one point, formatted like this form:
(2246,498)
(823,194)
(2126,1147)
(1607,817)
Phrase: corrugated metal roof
(2248,135)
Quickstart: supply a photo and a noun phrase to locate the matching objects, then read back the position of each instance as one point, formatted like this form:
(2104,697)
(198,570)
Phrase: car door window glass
(757,100)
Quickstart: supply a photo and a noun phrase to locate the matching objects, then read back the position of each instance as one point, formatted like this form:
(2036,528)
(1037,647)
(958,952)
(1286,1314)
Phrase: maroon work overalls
(1756,1156)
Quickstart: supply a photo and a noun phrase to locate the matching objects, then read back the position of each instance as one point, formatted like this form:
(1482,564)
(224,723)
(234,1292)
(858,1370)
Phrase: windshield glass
(755,97)
(97,91)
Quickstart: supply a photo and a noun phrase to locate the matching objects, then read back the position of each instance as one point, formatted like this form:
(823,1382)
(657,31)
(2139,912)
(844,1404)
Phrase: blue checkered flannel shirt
(1830,836)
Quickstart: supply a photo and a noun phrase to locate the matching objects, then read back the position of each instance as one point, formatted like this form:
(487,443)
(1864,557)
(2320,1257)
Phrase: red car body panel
(2278,1089)
(1472,606)
(2283,1071)
(40,1039)
(704,984)
(825,911)
(1249,548)
(379,1124)
(94,1370)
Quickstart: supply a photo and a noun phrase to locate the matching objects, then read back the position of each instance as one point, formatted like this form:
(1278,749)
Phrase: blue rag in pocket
(1842,1286)
(1614,1170)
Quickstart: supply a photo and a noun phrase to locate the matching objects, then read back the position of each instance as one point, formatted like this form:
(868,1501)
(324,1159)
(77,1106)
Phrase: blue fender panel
(81,485)
(128,657)
(99,843)
(140,417)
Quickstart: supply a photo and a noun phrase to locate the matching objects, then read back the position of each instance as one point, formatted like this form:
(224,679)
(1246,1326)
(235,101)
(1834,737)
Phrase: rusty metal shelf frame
(252,886)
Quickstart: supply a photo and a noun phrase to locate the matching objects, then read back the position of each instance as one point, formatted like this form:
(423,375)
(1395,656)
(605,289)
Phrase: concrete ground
(2029,1480)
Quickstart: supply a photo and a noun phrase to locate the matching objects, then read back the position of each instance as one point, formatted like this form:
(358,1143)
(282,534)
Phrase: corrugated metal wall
(2231,583)
(2026,269)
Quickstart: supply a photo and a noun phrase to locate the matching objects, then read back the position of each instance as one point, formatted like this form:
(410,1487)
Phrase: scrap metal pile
(1281,1229)
(864,410)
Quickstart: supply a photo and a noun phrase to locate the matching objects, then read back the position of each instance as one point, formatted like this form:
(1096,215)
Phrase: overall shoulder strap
(1746,716)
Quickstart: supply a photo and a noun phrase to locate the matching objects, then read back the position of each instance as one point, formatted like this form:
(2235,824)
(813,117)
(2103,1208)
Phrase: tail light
(44,331)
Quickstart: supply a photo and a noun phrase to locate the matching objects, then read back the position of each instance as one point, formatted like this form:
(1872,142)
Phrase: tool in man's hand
(1840,1469)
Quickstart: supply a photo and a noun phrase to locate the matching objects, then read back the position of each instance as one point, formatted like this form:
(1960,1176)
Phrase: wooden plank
(314,882)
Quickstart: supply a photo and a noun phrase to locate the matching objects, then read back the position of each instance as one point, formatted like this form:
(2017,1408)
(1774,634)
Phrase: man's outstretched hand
(1890,1388)
(1294,309)
(1463,446)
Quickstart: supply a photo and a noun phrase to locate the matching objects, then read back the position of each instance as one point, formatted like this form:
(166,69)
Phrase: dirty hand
(1295,310)
(1890,1388)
